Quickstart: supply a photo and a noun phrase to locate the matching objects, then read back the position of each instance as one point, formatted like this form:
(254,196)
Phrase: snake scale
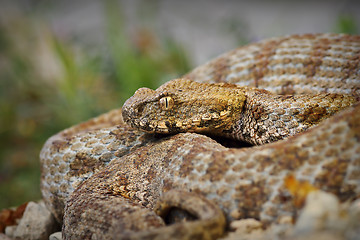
(110,177)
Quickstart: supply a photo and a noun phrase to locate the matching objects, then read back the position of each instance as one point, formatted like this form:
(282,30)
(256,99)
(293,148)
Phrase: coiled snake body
(110,176)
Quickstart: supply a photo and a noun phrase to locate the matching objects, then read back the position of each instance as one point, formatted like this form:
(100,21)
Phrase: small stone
(56,236)
(9,230)
(246,225)
(36,223)
(247,229)
(353,226)
(327,235)
(4,237)
(286,220)
(10,217)
(321,211)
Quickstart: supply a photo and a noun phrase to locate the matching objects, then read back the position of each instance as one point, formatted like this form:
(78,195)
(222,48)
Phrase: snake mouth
(149,126)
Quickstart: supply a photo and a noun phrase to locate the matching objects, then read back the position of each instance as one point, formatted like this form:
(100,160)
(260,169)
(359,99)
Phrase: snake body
(108,176)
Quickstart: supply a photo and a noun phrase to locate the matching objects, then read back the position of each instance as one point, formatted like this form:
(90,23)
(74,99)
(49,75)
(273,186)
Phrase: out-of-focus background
(63,62)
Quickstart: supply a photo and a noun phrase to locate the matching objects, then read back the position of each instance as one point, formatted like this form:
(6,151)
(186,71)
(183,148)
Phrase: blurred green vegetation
(48,83)
(346,23)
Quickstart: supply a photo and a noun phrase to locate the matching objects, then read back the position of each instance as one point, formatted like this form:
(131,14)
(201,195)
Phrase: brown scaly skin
(112,177)
(244,183)
(294,64)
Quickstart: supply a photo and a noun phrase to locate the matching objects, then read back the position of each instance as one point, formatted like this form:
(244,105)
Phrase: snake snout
(132,107)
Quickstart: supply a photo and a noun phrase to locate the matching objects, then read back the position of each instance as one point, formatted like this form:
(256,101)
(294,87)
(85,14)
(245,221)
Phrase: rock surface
(323,217)
(36,223)
(4,237)
(9,217)
(56,236)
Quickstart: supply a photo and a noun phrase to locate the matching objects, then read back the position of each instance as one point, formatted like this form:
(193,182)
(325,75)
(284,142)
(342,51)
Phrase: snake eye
(166,103)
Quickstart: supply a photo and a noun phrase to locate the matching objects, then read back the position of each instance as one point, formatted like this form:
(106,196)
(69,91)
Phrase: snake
(168,164)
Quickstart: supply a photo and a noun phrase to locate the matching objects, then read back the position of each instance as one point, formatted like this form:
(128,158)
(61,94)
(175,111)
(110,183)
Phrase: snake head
(182,105)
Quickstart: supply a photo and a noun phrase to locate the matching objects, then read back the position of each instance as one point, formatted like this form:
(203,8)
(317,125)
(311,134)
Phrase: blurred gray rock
(36,223)
(56,236)
(4,237)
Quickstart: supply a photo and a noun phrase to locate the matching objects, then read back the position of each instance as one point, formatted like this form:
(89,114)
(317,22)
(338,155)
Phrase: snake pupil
(166,103)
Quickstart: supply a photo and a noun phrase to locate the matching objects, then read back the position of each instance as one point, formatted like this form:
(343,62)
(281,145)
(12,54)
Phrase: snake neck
(268,117)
